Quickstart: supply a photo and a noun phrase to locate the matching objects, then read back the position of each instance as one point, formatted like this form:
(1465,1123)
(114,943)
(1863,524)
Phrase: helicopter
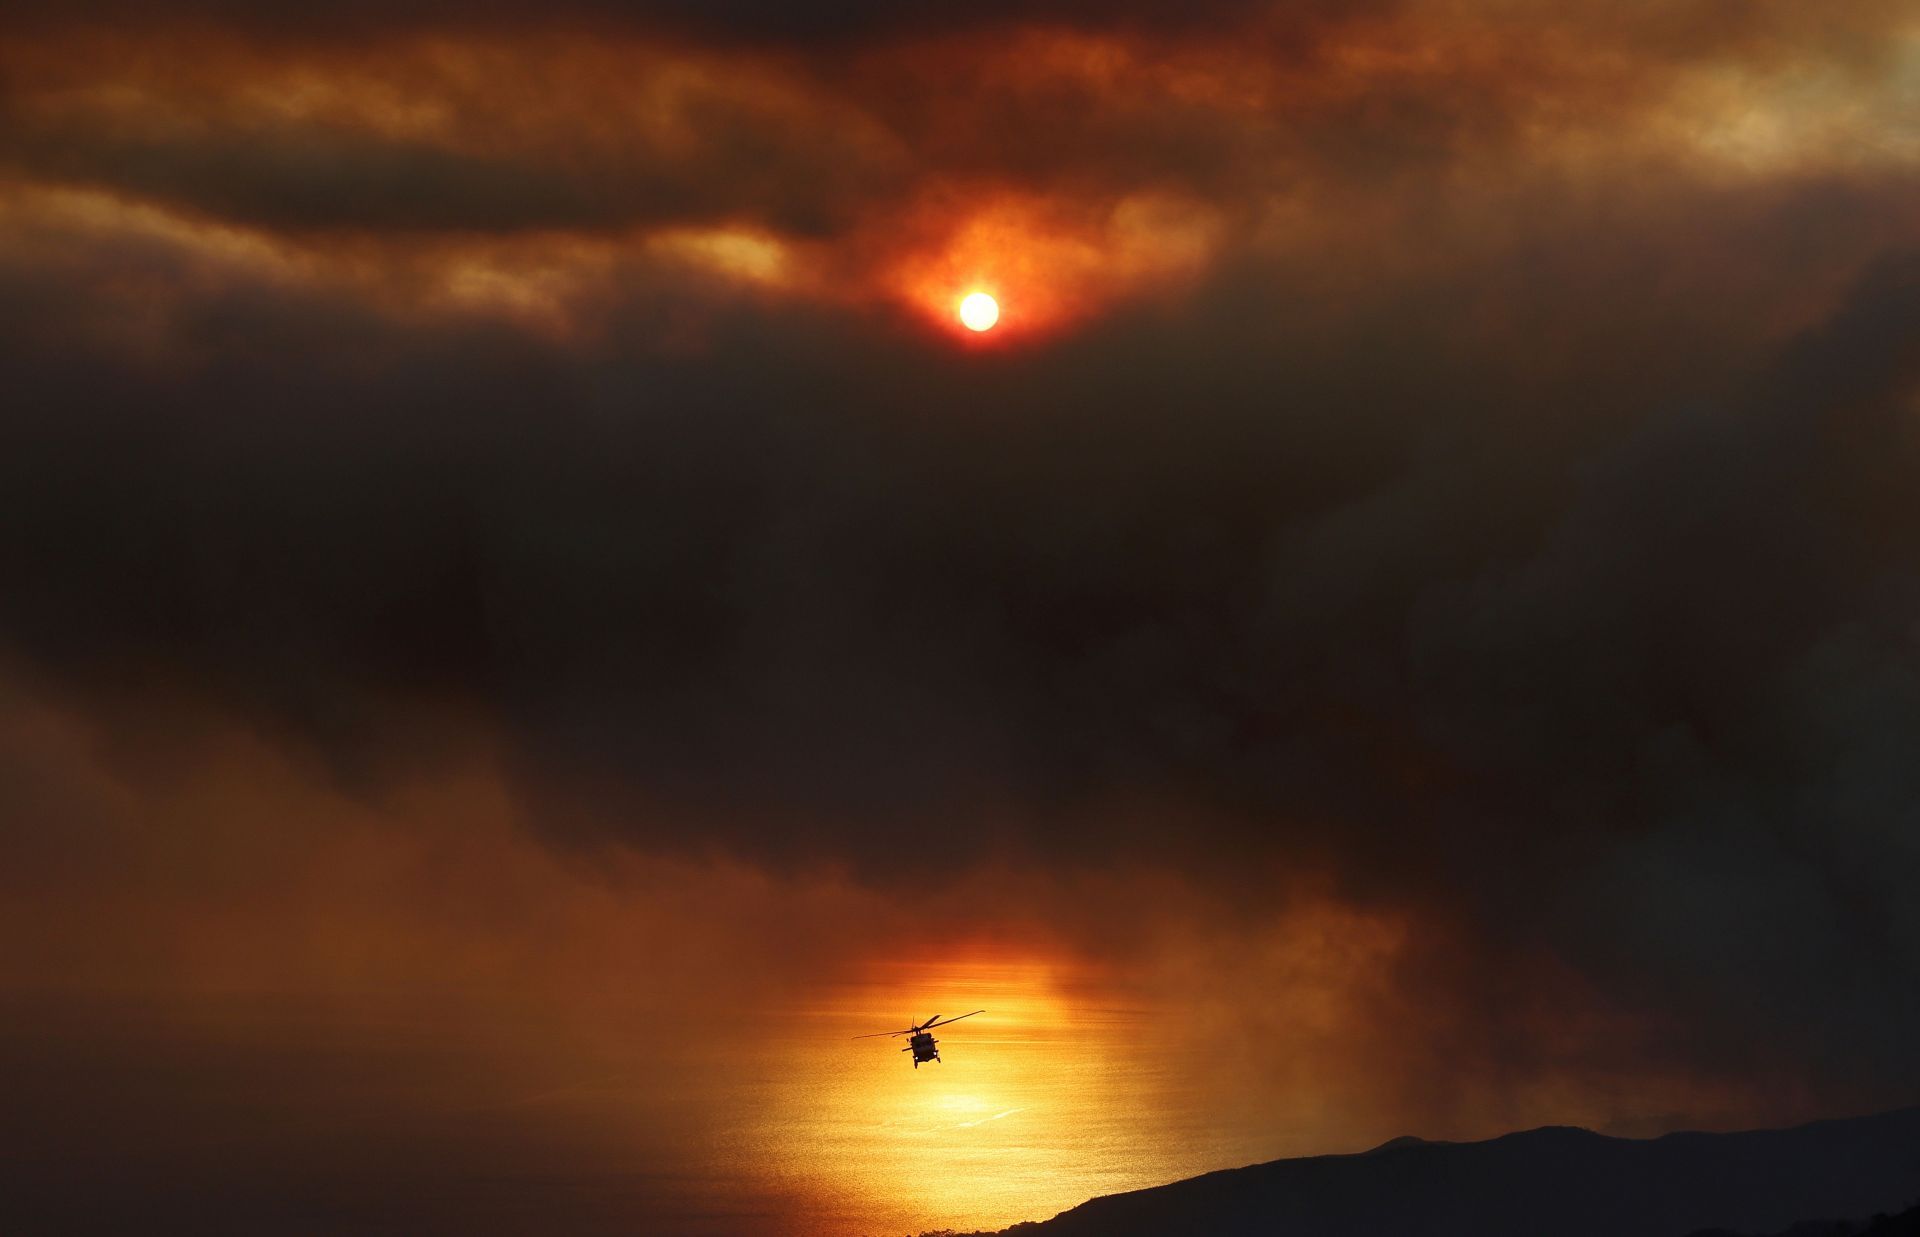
(922,1045)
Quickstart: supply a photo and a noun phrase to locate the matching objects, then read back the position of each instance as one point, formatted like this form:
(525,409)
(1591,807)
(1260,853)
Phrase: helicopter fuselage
(924,1047)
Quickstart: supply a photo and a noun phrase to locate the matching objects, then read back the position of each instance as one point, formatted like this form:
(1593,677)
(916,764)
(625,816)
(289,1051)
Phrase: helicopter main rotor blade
(977,1011)
(919,1027)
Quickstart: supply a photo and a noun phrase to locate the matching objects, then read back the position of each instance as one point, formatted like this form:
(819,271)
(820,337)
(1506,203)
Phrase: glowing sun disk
(978,311)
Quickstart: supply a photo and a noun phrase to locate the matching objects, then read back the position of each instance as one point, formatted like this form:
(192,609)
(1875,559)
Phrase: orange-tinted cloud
(1078,162)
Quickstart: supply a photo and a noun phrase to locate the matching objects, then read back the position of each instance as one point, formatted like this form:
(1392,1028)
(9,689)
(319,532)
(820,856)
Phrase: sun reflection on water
(1036,1105)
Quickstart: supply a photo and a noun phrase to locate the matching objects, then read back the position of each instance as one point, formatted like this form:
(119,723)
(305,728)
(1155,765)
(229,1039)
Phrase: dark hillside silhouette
(1560,1181)
(1906,1224)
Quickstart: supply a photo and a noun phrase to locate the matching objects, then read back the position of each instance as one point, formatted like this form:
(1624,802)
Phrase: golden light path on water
(1056,1094)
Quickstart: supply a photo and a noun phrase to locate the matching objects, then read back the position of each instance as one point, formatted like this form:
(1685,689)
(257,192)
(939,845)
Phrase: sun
(978,312)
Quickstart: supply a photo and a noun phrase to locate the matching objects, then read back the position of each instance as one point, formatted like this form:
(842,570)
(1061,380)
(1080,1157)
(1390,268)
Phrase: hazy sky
(511,573)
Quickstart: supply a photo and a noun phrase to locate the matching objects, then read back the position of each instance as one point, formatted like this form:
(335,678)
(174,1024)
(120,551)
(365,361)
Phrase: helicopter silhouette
(923,1045)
